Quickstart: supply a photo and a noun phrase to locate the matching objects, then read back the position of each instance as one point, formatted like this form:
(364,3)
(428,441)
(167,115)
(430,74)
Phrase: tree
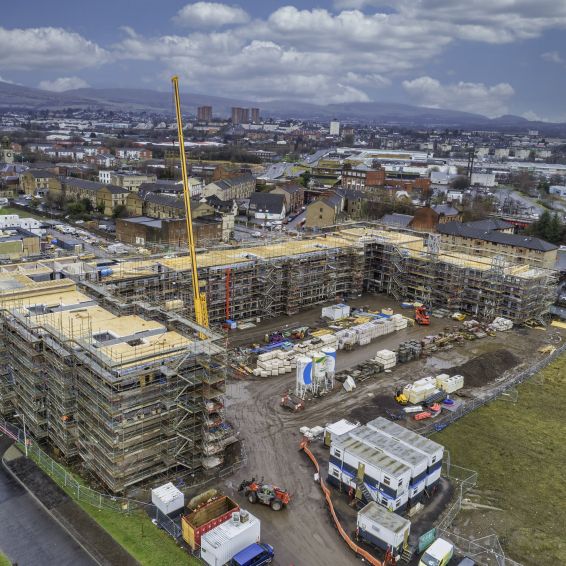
(87,205)
(304,178)
(541,226)
(524,181)
(554,230)
(543,186)
(100,208)
(119,211)
(460,183)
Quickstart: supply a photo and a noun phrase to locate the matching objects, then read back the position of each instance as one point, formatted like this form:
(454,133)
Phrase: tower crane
(199,299)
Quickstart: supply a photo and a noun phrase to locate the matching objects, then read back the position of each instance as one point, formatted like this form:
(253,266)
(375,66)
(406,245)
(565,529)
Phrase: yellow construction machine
(201,307)
(401,398)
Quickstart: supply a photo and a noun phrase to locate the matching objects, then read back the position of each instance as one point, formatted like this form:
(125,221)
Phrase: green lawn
(141,538)
(19,212)
(4,560)
(519,452)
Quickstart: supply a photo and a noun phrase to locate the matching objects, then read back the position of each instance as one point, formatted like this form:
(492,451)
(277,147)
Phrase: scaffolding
(254,281)
(130,390)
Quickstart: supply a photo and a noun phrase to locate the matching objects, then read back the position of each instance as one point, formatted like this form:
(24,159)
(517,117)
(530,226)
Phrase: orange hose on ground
(363,553)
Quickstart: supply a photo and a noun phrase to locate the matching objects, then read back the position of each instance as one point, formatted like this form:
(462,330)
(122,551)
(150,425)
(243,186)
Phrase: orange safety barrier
(363,553)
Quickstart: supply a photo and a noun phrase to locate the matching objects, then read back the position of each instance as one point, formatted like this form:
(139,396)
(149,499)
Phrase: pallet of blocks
(420,390)
(449,383)
(277,362)
(386,358)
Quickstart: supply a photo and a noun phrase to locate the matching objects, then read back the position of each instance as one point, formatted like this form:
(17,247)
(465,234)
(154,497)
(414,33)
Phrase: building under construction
(135,393)
(245,283)
(103,363)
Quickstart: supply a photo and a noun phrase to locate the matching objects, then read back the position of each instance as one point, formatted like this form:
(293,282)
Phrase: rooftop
(377,513)
(516,240)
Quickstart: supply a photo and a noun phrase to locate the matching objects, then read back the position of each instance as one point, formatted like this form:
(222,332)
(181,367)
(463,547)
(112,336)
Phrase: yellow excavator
(199,299)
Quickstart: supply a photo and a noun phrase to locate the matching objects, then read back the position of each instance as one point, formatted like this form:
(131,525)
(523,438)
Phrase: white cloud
(491,21)
(468,97)
(210,14)
(62,84)
(332,53)
(39,48)
(324,56)
(533,116)
(552,57)
(8,81)
(356,4)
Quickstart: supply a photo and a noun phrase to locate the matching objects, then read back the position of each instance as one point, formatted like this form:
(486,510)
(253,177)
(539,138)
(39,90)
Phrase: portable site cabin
(382,528)
(432,450)
(332,431)
(413,459)
(370,473)
(167,498)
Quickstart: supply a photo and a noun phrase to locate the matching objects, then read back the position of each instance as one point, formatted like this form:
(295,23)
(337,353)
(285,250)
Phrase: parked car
(256,554)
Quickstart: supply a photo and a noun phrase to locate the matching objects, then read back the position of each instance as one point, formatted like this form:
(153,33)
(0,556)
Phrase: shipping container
(222,543)
(382,528)
(206,518)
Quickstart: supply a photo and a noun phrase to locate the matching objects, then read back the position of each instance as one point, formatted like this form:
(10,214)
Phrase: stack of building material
(346,337)
(276,362)
(418,393)
(409,351)
(420,390)
(399,321)
(336,312)
(386,358)
(501,324)
(448,383)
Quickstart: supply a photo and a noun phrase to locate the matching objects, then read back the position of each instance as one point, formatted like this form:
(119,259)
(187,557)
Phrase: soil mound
(485,368)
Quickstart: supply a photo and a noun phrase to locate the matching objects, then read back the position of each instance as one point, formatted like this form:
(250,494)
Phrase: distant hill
(17,97)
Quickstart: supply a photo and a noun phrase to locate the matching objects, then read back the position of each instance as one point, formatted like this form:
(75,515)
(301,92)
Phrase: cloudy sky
(487,56)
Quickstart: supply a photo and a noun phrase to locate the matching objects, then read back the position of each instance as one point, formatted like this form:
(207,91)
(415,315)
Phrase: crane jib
(199,299)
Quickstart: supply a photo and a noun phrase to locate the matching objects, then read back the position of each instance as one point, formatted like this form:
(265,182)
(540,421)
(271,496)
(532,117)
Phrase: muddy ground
(303,533)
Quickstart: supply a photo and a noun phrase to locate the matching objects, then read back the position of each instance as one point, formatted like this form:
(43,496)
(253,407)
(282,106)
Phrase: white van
(438,553)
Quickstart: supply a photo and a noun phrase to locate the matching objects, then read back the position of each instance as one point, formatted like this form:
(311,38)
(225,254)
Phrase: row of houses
(82,153)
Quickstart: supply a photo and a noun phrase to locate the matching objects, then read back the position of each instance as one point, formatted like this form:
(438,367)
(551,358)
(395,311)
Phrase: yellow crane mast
(199,299)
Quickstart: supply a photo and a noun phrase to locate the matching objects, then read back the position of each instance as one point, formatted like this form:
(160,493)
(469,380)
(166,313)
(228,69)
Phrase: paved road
(28,535)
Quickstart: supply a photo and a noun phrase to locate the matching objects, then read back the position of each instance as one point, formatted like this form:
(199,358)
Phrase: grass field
(519,451)
(141,538)
(18,211)
(4,560)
